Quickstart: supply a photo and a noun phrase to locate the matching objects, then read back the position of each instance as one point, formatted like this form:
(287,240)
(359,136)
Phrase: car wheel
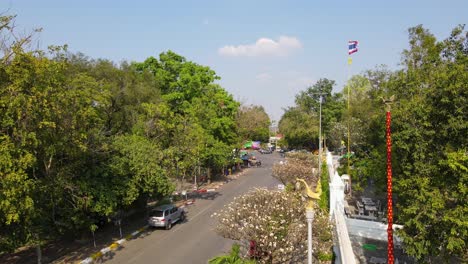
(169,225)
(182,217)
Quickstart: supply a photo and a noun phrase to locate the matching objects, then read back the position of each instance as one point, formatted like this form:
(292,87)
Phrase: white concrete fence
(345,251)
(347,226)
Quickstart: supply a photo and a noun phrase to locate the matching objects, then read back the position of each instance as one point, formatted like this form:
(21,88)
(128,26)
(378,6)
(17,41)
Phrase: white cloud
(263,77)
(263,47)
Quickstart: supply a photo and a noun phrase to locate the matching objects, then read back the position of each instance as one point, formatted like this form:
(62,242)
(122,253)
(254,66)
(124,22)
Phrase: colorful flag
(352,46)
(350,60)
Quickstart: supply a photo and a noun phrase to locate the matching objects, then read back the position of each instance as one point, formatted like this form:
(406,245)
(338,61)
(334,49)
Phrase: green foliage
(332,105)
(290,187)
(16,200)
(324,202)
(326,256)
(369,166)
(429,144)
(200,116)
(430,132)
(253,123)
(299,128)
(83,139)
(232,258)
(300,124)
(136,164)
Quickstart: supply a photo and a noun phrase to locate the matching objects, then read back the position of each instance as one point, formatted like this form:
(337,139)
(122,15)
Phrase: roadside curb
(101,253)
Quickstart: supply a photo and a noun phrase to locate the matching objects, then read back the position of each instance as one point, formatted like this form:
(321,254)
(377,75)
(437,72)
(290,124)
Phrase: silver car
(165,216)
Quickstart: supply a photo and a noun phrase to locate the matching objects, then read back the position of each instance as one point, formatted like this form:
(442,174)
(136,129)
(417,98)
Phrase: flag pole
(350,61)
(352,48)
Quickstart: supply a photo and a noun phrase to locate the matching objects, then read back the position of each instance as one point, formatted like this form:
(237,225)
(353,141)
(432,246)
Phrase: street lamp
(320,138)
(311,196)
(310,219)
(320,135)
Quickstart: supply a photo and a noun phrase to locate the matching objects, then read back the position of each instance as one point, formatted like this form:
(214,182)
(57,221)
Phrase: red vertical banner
(389,189)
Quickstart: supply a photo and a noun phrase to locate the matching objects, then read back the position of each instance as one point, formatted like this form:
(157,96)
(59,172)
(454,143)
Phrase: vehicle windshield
(157,213)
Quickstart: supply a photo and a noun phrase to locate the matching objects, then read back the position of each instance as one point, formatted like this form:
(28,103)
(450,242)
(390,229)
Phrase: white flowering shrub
(275,222)
(297,165)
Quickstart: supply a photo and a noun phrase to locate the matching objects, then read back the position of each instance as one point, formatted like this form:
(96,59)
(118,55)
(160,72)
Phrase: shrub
(276,222)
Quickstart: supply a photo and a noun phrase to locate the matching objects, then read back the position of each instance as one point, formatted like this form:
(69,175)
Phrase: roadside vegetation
(270,226)
(232,258)
(429,138)
(84,141)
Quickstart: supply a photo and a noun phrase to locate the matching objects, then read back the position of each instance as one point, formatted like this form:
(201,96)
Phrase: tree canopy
(429,143)
(429,128)
(253,123)
(83,139)
(300,124)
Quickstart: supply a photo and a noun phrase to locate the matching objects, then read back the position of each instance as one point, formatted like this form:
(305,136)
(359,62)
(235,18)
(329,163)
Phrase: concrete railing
(345,251)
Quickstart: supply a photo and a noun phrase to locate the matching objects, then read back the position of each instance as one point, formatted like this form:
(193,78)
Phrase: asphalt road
(194,241)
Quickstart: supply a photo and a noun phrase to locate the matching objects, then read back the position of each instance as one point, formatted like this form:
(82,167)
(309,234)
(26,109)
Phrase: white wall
(345,254)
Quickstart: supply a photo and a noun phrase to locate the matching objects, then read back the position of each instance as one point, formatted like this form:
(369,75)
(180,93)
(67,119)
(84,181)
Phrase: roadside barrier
(101,253)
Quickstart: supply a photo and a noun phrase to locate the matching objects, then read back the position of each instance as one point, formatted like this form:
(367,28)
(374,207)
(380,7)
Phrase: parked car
(253,161)
(165,216)
(265,151)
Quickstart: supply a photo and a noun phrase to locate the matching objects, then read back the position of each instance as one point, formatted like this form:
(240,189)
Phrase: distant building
(273,142)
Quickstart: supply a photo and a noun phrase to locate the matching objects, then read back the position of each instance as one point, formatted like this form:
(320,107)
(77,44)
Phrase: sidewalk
(66,251)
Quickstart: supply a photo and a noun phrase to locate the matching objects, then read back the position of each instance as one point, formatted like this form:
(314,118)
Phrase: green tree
(300,129)
(64,123)
(82,139)
(300,124)
(198,116)
(253,123)
(332,105)
(431,125)
(51,126)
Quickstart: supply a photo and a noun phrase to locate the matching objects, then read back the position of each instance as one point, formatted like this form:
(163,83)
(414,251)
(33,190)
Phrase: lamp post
(320,133)
(311,196)
(320,138)
(310,219)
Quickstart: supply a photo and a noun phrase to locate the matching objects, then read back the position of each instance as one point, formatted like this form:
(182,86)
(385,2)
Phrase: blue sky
(264,51)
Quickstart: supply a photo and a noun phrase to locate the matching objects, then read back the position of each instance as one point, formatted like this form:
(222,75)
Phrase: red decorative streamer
(389,190)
